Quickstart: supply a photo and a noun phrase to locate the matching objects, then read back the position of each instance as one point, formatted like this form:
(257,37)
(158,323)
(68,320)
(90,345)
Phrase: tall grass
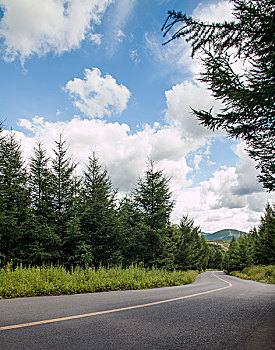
(258,273)
(55,280)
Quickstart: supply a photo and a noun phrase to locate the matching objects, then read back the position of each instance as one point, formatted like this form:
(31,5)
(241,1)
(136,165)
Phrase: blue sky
(96,71)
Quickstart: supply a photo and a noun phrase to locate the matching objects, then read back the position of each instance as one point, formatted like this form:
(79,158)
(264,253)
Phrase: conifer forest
(50,215)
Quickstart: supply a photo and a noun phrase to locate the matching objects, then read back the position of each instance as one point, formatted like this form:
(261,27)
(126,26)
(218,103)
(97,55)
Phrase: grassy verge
(264,274)
(50,280)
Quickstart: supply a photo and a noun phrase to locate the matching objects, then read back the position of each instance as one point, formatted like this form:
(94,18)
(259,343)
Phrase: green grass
(49,280)
(265,274)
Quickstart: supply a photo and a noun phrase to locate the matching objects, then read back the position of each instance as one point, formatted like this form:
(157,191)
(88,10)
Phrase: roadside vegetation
(39,281)
(255,248)
(54,223)
(265,274)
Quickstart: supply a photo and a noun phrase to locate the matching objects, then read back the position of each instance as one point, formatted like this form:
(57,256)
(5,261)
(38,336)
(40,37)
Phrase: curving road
(216,312)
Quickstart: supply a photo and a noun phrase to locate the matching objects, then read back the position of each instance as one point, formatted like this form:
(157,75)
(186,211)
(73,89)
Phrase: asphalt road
(215,312)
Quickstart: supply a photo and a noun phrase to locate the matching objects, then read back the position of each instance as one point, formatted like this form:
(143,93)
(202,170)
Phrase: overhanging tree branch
(248,98)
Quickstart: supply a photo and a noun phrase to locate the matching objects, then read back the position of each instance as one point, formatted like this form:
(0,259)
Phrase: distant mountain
(223,235)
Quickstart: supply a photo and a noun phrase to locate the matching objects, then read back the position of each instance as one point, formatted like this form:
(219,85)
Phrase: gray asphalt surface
(238,317)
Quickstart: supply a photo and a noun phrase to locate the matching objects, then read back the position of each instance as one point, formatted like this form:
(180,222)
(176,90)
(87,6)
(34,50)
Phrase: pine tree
(246,257)
(152,198)
(248,97)
(256,247)
(14,199)
(63,185)
(40,182)
(37,243)
(216,257)
(233,256)
(131,233)
(63,196)
(75,251)
(253,242)
(98,214)
(266,234)
(191,251)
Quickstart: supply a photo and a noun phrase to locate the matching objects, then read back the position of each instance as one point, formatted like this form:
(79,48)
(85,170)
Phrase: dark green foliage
(257,247)
(62,187)
(266,237)
(14,199)
(41,226)
(248,97)
(152,199)
(50,216)
(241,253)
(40,181)
(247,250)
(191,251)
(37,243)
(234,256)
(98,214)
(76,252)
(131,232)
(13,176)
(216,257)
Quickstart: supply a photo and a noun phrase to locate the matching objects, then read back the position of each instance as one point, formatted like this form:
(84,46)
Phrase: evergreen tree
(203,254)
(98,214)
(63,187)
(191,251)
(248,97)
(233,256)
(256,247)
(14,199)
(42,224)
(266,237)
(216,257)
(63,196)
(253,242)
(75,251)
(247,250)
(41,183)
(152,198)
(37,242)
(131,233)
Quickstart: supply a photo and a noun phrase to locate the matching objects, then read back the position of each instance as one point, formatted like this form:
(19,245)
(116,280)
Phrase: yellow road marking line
(53,320)
(229,284)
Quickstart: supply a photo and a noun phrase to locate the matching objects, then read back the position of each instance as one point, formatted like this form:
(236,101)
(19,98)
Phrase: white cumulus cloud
(30,27)
(98,96)
(218,11)
(180,99)
(123,152)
